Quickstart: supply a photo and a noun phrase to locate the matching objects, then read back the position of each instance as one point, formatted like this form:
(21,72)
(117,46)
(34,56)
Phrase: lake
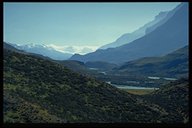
(93,68)
(154,77)
(170,79)
(157,78)
(130,87)
(134,87)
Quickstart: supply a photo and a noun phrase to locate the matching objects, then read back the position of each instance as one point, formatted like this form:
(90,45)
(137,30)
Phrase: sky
(76,24)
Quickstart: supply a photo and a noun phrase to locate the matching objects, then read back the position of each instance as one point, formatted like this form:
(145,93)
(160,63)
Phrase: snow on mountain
(44,50)
(53,51)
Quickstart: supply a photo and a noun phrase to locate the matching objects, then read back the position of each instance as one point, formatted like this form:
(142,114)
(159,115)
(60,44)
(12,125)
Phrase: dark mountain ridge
(174,64)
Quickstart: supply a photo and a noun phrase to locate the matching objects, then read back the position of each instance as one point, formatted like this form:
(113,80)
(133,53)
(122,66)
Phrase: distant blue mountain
(43,50)
(171,35)
(129,37)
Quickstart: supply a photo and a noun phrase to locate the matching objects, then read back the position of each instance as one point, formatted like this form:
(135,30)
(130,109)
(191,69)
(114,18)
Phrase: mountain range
(170,35)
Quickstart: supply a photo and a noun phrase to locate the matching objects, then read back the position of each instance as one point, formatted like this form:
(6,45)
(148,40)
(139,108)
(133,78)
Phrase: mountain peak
(161,15)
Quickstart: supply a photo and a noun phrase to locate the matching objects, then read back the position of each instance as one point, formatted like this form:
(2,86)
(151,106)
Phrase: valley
(142,77)
(114,77)
(144,72)
(61,95)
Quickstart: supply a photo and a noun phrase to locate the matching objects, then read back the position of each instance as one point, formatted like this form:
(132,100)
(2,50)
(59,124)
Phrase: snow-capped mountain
(43,50)
(53,51)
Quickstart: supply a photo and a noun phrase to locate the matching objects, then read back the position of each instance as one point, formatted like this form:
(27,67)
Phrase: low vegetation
(38,90)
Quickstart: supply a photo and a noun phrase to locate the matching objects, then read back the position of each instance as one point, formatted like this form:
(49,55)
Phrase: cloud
(74,49)
(86,50)
(70,49)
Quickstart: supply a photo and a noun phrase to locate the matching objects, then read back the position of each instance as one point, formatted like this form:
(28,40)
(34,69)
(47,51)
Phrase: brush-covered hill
(174,64)
(39,90)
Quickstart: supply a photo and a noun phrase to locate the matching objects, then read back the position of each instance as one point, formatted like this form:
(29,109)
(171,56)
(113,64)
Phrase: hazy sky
(76,23)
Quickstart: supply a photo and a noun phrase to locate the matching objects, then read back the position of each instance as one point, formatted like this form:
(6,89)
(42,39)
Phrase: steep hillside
(38,90)
(166,38)
(174,64)
(174,98)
